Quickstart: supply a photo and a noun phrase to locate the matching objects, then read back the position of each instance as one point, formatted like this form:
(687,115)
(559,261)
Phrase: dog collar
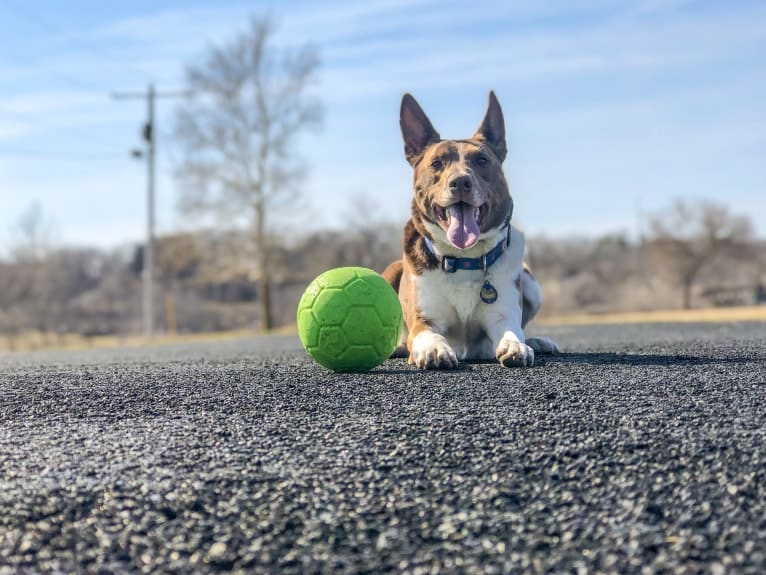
(451,264)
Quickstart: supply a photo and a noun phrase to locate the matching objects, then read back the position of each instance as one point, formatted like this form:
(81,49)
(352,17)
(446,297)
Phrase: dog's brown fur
(466,173)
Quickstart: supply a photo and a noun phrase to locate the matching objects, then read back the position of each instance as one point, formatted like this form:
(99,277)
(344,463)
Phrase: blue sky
(613,108)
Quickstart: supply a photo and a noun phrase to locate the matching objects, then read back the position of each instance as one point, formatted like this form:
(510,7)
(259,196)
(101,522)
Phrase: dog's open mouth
(462,221)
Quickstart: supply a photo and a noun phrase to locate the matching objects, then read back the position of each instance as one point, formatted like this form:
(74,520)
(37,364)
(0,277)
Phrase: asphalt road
(642,449)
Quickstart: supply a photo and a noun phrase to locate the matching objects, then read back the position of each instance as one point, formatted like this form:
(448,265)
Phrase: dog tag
(488,293)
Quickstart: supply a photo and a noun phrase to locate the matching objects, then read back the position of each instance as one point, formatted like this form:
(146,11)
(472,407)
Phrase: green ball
(349,319)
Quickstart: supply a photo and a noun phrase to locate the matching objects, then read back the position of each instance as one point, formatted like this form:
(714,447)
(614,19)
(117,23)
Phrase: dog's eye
(481,160)
(437,164)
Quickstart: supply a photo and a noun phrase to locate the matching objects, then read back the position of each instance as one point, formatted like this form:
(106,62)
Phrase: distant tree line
(691,254)
(206,280)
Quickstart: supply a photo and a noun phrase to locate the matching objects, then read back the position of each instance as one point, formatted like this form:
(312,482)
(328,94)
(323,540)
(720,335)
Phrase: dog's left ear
(492,129)
(417,131)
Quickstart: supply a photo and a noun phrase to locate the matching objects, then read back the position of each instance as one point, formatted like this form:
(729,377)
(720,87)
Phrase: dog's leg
(429,349)
(532,297)
(502,324)
(542,344)
(426,341)
(401,346)
(512,351)
(393,275)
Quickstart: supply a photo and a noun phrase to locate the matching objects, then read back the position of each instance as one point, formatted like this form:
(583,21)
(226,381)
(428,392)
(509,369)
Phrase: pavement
(641,449)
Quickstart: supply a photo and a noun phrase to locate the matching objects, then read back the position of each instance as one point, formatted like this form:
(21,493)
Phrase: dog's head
(460,189)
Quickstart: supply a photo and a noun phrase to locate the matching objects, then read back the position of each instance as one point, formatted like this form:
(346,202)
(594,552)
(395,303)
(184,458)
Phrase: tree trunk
(687,293)
(264,280)
(264,295)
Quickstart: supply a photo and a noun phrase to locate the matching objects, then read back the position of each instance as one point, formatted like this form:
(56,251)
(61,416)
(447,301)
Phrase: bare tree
(31,250)
(250,100)
(377,238)
(32,235)
(687,236)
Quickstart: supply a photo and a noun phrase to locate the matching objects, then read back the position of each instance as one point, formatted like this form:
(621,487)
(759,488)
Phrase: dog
(465,290)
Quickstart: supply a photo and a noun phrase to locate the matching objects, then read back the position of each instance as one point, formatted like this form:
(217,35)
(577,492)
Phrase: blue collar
(451,264)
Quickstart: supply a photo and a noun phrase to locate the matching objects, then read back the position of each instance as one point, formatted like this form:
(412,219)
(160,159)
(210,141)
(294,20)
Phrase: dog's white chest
(453,295)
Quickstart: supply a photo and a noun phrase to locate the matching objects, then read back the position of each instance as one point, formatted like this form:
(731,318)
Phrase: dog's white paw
(512,353)
(431,351)
(543,345)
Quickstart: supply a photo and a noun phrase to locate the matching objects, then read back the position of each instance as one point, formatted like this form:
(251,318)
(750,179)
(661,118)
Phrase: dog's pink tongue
(463,229)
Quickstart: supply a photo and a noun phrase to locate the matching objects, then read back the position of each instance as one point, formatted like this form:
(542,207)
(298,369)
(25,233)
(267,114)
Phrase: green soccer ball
(349,319)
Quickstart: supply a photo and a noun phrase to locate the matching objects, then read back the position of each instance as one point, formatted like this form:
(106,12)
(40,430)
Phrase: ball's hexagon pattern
(332,340)
(337,277)
(364,357)
(311,293)
(359,324)
(390,333)
(306,317)
(390,316)
(349,319)
(331,305)
(360,292)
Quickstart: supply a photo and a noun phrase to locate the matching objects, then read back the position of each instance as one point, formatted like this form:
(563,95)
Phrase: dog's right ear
(417,130)
(492,129)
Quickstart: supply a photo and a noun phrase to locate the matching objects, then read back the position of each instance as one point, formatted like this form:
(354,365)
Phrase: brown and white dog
(463,285)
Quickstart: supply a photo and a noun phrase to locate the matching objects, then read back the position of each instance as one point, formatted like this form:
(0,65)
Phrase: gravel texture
(642,449)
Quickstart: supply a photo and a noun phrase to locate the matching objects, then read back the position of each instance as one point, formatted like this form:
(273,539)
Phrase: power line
(100,52)
(6,151)
(54,72)
(70,80)
(149,132)
(28,122)
(166,94)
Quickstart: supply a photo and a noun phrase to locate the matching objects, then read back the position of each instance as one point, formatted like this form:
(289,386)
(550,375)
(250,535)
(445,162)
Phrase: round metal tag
(488,293)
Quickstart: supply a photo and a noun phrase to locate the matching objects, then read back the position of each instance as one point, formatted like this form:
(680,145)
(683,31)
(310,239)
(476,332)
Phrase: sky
(613,108)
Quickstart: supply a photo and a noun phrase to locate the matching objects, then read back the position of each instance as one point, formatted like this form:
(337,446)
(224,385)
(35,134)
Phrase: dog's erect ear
(492,129)
(417,130)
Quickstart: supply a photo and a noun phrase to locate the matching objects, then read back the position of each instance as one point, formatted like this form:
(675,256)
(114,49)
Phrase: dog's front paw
(431,351)
(512,353)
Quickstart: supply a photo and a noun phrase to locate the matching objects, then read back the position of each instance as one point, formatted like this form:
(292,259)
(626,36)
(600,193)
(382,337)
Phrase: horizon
(612,111)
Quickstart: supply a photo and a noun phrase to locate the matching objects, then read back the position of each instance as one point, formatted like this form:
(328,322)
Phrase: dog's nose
(460,184)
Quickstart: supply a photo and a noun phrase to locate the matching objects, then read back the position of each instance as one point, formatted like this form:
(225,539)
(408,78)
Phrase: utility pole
(149,136)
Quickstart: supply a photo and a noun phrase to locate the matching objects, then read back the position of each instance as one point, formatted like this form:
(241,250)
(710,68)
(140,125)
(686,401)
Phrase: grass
(39,341)
(36,341)
(705,315)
